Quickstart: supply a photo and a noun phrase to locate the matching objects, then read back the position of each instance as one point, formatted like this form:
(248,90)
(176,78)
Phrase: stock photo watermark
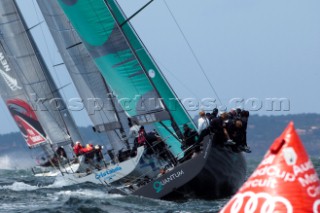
(139,103)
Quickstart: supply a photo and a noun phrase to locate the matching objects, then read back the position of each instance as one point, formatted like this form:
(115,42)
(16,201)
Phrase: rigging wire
(48,50)
(178,80)
(47,47)
(192,51)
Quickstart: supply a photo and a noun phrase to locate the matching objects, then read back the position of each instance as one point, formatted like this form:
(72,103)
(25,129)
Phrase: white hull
(107,175)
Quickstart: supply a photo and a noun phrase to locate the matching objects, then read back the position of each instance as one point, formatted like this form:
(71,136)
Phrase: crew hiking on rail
(228,129)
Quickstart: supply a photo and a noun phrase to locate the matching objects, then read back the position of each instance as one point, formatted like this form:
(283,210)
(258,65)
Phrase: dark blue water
(20,191)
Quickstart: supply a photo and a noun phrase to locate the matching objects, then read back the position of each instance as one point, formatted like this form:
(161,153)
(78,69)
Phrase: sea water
(20,191)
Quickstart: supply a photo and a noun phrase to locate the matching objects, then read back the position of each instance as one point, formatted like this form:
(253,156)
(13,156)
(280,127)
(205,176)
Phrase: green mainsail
(127,66)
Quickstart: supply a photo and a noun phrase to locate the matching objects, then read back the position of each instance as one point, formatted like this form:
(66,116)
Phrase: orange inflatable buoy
(285,181)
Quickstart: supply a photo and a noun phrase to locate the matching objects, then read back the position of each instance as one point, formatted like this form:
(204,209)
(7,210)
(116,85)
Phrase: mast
(174,124)
(181,116)
(122,132)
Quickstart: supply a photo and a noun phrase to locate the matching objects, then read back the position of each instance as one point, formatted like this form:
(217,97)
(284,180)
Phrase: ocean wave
(20,186)
(87,193)
(59,183)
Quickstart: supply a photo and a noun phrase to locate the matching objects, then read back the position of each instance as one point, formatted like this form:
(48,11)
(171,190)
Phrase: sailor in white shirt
(203,122)
(133,133)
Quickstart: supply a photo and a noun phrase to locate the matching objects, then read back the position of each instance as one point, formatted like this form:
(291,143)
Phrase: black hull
(222,175)
(215,173)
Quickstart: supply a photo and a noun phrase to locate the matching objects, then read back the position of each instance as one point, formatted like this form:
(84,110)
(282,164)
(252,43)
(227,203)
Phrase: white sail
(84,73)
(29,90)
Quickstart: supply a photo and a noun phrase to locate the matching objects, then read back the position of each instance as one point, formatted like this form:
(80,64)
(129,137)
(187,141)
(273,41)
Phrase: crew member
(133,133)
(203,124)
(218,127)
(189,139)
(142,136)
(77,149)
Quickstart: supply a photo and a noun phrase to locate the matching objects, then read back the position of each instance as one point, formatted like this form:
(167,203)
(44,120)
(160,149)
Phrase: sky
(251,51)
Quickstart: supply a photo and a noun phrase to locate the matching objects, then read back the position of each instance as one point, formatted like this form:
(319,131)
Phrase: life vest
(87,149)
(77,149)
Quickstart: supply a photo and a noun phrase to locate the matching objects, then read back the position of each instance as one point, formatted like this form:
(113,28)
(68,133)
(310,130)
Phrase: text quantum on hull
(158,185)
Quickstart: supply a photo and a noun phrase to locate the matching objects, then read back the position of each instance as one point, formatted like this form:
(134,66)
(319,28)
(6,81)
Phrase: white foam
(59,183)
(80,193)
(20,186)
(86,193)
